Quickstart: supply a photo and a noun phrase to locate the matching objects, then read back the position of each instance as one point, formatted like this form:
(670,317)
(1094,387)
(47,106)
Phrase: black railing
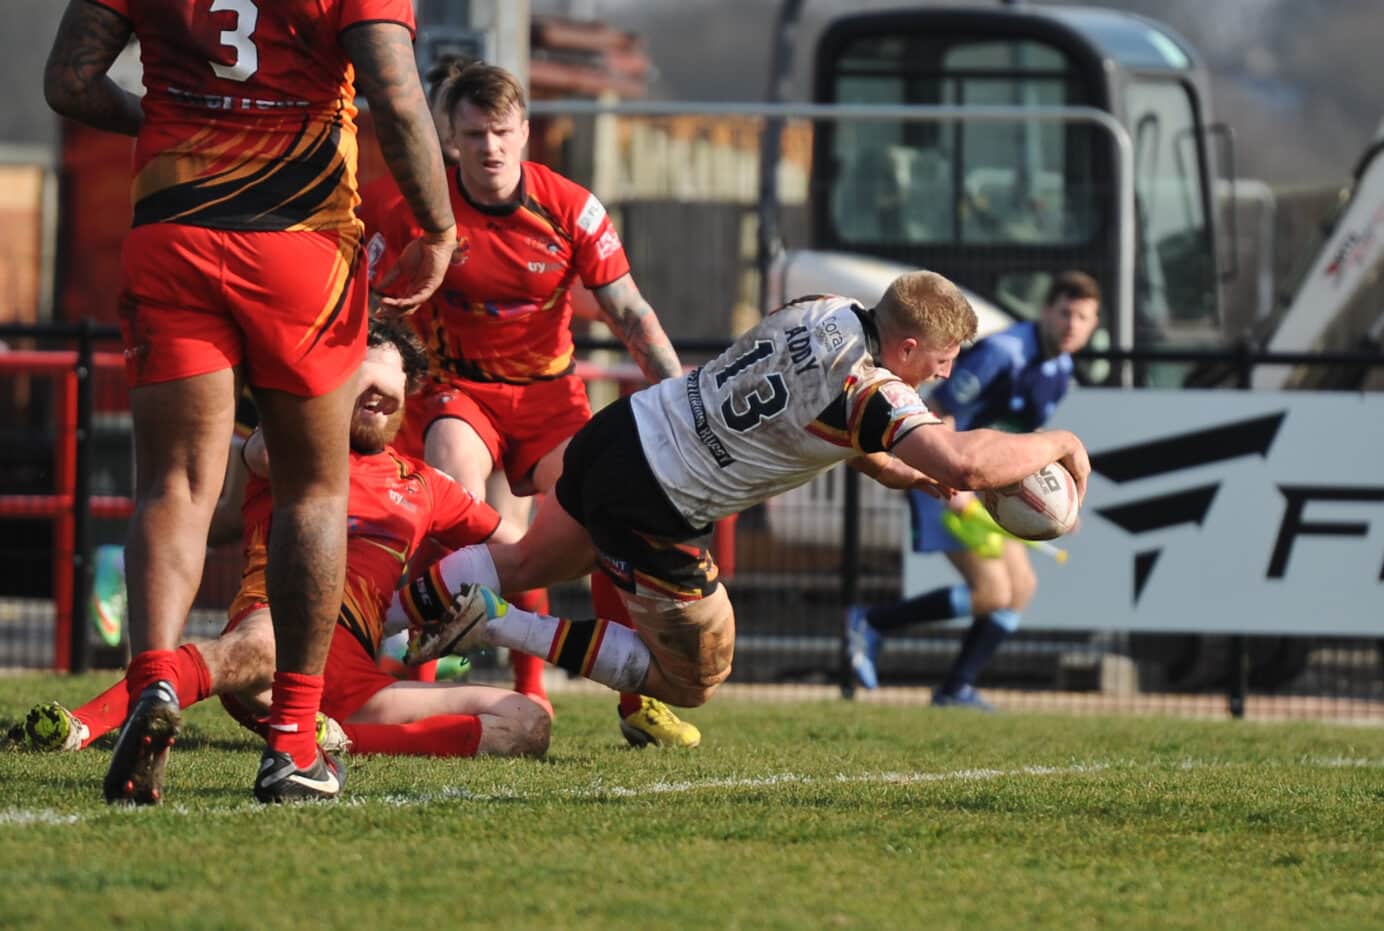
(1239,360)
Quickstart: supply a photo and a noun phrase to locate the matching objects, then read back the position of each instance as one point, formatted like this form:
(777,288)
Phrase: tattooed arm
(387,75)
(631,318)
(74,80)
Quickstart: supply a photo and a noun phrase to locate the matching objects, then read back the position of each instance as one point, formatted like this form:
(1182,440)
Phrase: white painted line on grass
(21,817)
(600,790)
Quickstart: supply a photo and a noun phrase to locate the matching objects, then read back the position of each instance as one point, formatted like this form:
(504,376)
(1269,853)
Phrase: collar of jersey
(495,210)
(870,329)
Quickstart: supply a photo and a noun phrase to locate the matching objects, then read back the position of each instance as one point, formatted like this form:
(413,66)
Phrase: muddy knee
(697,669)
(690,685)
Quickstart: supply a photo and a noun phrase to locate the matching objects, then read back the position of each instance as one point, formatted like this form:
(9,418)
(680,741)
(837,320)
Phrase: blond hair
(927,307)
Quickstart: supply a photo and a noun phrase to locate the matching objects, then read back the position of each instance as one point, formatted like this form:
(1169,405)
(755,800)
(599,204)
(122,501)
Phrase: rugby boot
(141,751)
(461,627)
(655,724)
(280,780)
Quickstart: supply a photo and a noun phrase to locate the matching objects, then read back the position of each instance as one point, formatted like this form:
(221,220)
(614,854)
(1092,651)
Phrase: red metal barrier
(60,506)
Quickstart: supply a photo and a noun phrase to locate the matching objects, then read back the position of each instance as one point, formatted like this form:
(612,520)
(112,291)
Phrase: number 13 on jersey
(759,397)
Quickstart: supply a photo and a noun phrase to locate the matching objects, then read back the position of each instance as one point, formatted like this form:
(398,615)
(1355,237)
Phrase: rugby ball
(1041,507)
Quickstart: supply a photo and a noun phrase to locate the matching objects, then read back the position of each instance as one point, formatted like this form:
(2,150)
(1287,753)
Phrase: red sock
(423,672)
(194,678)
(105,712)
(293,716)
(440,735)
(606,600)
(149,667)
(528,670)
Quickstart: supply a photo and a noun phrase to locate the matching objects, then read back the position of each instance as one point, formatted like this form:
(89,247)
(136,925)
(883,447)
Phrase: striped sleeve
(882,410)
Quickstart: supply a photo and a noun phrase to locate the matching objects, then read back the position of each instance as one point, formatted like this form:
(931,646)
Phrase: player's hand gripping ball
(1043,506)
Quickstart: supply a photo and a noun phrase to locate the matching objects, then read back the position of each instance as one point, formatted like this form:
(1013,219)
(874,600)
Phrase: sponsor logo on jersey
(542,245)
(903,399)
(707,436)
(589,220)
(608,244)
(619,568)
(398,498)
(829,332)
(221,102)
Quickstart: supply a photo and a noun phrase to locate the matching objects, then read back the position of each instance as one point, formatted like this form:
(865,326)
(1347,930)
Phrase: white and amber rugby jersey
(793,396)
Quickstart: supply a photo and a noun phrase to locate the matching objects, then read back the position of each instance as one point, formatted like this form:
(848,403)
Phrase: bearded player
(395,501)
(242,262)
(502,395)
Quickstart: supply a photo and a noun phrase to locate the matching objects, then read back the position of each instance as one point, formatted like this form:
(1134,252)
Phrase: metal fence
(685,187)
(793,564)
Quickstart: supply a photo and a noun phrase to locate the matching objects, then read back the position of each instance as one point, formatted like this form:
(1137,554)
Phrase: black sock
(576,644)
(940,604)
(980,643)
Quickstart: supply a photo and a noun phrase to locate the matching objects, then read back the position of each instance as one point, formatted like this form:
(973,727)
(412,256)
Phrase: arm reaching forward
(892,472)
(990,458)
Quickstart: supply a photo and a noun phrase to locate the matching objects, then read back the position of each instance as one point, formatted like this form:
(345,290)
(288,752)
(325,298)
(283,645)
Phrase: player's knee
(533,730)
(695,686)
(523,728)
(992,595)
(1022,588)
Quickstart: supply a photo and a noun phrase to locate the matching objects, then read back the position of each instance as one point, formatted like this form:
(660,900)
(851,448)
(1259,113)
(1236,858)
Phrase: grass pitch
(811,815)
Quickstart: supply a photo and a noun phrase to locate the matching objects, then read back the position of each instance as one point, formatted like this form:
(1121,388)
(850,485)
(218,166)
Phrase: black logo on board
(1171,454)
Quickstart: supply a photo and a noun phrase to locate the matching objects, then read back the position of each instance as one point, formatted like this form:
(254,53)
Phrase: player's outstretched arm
(387,75)
(990,458)
(631,318)
(75,83)
(892,472)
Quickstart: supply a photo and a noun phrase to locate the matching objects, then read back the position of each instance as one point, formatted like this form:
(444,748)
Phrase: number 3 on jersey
(246,55)
(758,405)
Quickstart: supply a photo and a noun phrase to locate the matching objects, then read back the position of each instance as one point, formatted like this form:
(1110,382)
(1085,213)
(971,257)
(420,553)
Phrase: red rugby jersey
(504,312)
(249,112)
(379,201)
(395,501)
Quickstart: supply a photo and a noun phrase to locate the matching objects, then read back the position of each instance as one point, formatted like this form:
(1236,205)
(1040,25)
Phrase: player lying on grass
(820,381)
(394,503)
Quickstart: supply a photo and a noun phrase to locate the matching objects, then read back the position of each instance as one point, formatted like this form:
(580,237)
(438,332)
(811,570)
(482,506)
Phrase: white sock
(468,564)
(621,659)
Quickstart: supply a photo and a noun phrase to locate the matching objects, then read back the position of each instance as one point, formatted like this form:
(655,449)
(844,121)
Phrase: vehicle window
(1175,284)
(1023,182)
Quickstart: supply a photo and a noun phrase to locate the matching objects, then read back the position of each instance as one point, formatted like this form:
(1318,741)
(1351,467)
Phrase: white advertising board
(1216,512)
